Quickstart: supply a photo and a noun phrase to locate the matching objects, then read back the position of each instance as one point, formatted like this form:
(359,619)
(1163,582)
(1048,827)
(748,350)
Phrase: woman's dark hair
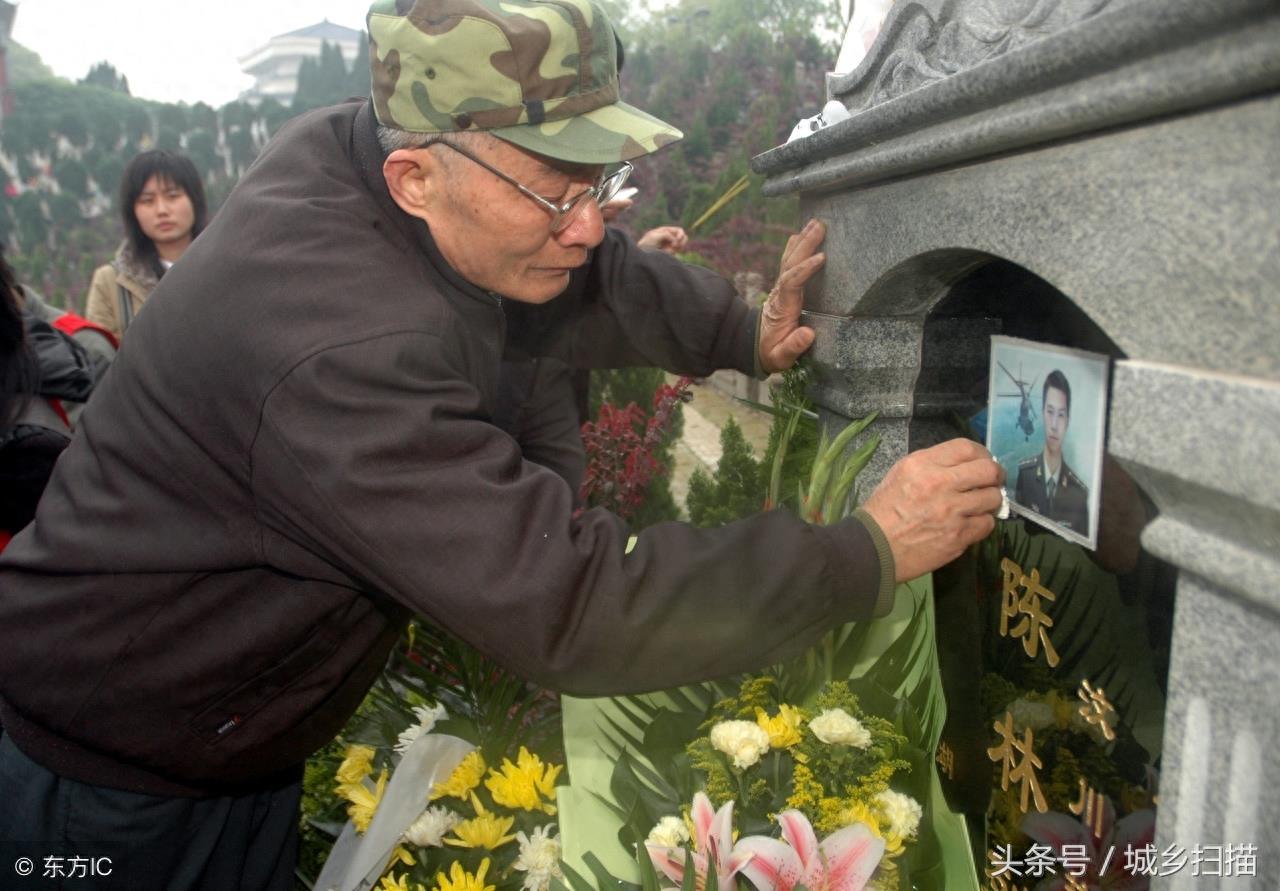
(17,367)
(170,167)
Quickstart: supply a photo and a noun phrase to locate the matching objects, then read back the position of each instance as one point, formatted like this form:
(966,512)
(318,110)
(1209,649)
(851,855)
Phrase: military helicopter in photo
(1026,416)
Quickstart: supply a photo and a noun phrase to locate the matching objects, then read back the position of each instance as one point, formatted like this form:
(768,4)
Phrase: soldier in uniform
(1046,484)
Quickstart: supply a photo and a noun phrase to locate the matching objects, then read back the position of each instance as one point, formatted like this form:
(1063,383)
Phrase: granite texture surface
(1117,163)
(1117,66)
(1220,762)
(1166,236)
(1203,446)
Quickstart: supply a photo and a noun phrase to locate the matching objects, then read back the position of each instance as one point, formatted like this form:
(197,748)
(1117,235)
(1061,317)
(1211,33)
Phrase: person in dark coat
(297,451)
(40,367)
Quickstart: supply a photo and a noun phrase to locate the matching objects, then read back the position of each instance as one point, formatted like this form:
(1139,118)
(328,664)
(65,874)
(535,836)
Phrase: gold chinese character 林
(1022,771)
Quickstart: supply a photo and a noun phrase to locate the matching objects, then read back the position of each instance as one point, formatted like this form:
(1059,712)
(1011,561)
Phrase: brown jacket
(102,306)
(296,452)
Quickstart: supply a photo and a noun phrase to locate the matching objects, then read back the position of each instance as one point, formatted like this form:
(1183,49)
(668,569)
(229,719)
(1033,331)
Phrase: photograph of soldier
(1047,408)
(1045,483)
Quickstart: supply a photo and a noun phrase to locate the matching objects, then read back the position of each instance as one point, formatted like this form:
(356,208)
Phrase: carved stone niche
(1103,174)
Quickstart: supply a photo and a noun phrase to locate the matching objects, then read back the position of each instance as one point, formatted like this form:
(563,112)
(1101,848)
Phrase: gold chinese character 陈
(1075,884)
(1090,808)
(1022,771)
(1035,624)
(947,760)
(1097,709)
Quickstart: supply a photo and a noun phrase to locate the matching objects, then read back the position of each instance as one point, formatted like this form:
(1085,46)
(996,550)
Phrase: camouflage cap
(542,74)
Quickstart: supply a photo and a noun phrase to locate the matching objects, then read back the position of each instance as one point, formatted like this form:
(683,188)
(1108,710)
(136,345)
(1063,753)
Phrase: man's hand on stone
(936,502)
(782,338)
(671,239)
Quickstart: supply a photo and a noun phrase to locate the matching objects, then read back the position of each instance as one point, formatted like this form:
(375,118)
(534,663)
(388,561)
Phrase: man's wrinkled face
(1055,421)
(498,238)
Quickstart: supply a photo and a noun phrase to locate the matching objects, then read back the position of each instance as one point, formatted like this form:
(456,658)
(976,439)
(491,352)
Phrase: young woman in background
(163,207)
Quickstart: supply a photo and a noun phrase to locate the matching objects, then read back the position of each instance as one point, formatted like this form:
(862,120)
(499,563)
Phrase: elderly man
(294,452)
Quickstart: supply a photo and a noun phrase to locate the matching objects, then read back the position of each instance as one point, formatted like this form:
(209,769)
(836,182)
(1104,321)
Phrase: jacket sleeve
(66,370)
(101,304)
(377,457)
(633,307)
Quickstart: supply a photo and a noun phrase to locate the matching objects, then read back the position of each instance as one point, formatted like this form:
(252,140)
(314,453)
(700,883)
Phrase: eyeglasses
(561,214)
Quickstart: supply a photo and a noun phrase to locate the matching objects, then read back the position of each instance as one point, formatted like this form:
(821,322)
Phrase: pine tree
(735,490)
(104,74)
(358,75)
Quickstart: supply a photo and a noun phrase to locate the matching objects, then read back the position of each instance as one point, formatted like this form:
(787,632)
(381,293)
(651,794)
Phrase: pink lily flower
(1107,848)
(712,843)
(844,861)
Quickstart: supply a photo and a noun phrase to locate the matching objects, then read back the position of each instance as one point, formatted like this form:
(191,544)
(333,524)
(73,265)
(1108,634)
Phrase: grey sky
(169,51)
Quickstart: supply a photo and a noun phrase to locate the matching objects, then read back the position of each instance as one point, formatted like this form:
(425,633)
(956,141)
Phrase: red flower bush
(622,447)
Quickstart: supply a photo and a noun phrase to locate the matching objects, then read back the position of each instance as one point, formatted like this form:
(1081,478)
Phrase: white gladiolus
(671,832)
(743,741)
(428,830)
(427,717)
(539,857)
(901,811)
(835,726)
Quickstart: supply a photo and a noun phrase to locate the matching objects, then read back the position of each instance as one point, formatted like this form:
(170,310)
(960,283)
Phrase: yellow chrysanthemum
(465,777)
(783,728)
(859,812)
(461,880)
(398,884)
(484,830)
(363,801)
(524,784)
(357,763)
(401,855)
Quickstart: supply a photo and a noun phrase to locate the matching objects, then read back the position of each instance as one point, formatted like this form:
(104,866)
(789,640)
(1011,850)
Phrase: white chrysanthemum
(427,717)
(431,826)
(1036,715)
(835,726)
(902,812)
(671,832)
(539,857)
(743,741)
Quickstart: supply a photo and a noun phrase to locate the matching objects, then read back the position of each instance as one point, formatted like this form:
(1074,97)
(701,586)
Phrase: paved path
(699,447)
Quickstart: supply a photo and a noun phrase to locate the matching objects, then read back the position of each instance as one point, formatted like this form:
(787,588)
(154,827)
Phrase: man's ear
(414,177)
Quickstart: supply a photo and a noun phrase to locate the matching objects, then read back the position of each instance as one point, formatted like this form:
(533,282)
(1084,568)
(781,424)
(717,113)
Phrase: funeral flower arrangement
(825,769)
(447,776)
(815,774)
(450,749)
(468,836)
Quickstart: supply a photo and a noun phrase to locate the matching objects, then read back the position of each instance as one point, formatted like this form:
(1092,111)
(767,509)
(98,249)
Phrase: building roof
(325,30)
(7,11)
